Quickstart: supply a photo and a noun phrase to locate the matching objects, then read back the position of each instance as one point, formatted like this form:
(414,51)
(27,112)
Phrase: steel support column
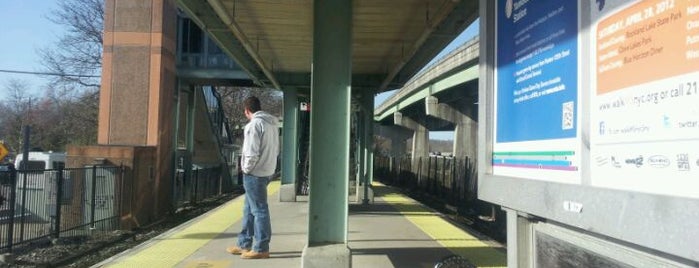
(359,131)
(190,118)
(287,193)
(330,135)
(366,194)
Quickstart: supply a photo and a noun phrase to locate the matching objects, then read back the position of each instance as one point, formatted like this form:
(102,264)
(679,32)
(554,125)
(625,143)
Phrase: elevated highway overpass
(443,97)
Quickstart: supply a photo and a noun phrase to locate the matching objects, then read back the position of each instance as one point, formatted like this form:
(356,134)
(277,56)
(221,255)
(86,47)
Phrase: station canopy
(273,40)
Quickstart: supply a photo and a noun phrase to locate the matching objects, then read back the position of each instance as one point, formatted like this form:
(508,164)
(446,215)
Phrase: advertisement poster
(644,124)
(536,98)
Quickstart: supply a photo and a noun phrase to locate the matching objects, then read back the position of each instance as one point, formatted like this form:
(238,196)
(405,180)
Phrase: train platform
(394,231)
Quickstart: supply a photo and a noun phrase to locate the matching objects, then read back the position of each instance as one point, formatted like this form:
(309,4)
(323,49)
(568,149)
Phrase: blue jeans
(257,228)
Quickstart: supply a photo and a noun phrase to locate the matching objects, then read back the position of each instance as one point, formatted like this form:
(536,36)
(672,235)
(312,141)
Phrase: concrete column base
(287,193)
(335,255)
(360,195)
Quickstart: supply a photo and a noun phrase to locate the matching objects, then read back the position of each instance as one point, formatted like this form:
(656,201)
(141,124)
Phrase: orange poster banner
(648,41)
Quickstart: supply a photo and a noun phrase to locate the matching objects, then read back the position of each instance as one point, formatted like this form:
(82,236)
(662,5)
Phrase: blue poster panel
(537,70)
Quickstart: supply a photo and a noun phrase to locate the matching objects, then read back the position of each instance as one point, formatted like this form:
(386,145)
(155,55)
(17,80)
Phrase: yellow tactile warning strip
(173,249)
(451,237)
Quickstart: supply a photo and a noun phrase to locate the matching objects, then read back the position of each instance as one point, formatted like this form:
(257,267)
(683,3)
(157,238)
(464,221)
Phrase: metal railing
(202,183)
(51,204)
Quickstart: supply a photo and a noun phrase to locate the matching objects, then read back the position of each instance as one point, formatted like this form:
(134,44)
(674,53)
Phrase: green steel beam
(189,131)
(368,108)
(290,140)
(361,142)
(191,117)
(175,137)
(461,77)
(330,122)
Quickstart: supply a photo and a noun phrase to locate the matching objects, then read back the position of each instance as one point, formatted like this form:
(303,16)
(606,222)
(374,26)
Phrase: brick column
(137,94)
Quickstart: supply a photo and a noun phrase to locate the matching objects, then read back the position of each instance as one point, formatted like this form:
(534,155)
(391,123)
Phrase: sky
(24,29)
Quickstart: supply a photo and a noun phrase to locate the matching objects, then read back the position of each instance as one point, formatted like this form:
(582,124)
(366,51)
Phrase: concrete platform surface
(394,231)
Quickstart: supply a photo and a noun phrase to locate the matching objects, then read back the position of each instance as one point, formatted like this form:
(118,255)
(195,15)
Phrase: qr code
(568,115)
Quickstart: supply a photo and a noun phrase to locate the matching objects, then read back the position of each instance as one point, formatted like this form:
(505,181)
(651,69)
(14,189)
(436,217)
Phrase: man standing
(259,161)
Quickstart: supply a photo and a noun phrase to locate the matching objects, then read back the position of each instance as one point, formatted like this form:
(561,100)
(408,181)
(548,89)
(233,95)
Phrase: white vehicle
(41,161)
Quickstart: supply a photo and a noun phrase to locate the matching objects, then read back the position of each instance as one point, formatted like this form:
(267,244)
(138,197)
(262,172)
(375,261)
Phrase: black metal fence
(452,180)
(41,204)
(200,184)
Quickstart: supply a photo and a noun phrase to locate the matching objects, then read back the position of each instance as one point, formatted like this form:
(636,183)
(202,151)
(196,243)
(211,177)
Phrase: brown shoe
(254,255)
(235,250)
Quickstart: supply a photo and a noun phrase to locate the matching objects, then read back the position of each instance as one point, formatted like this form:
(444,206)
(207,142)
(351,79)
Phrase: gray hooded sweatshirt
(261,145)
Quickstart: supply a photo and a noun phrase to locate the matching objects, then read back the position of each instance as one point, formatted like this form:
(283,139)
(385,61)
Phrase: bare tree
(15,113)
(77,57)
(67,113)
(80,118)
(56,120)
(232,100)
